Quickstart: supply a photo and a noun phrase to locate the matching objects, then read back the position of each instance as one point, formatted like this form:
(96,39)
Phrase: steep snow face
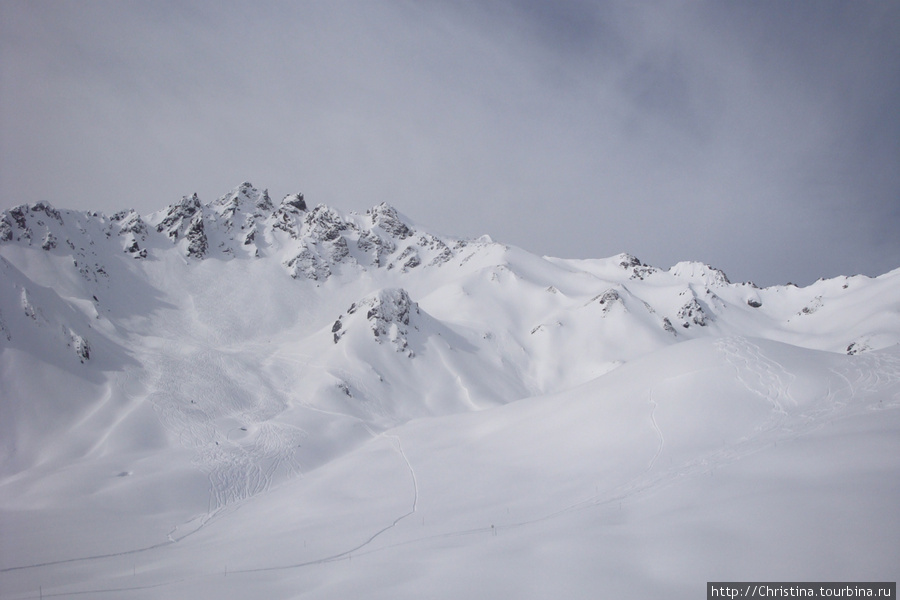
(176,366)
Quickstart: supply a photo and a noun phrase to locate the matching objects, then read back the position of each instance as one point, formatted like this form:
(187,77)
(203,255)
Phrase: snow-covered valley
(256,399)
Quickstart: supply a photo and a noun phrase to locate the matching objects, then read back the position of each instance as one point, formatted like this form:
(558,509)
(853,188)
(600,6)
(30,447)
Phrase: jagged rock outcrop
(133,230)
(693,313)
(639,270)
(377,247)
(388,315)
(667,325)
(288,217)
(386,218)
(242,223)
(857,347)
(177,217)
(812,307)
(608,300)
(309,265)
(79,345)
(47,324)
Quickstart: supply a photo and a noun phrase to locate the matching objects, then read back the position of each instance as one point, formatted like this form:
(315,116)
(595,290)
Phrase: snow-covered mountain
(326,404)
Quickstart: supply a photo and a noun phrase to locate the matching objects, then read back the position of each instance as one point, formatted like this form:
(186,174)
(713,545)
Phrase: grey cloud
(760,137)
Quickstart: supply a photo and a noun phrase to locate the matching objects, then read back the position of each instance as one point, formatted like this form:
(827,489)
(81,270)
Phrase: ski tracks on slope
(758,373)
(662,439)
(344,554)
(872,372)
(228,424)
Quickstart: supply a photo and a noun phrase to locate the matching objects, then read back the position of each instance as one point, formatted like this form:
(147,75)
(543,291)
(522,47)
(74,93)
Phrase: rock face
(178,217)
(133,231)
(692,313)
(388,315)
(608,300)
(244,222)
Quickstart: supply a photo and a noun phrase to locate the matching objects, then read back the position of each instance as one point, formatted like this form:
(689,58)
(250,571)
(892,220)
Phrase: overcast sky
(760,137)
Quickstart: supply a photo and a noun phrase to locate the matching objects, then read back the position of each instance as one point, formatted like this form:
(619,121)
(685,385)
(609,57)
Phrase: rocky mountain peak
(247,198)
(294,201)
(388,314)
(386,217)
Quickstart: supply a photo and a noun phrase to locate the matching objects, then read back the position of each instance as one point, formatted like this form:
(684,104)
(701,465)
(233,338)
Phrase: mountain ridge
(313,244)
(180,386)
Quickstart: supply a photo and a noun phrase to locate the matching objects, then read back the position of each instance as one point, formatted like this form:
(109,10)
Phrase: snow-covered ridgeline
(381,249)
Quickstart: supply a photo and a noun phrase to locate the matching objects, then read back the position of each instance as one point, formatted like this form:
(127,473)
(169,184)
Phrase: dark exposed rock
(48,210)
(857,347)
(130,222)
(642,271)
(295,201)
(608,299)
(692,312)
(178,214)
(49,242)
(627,261)
(309,265)
(410,259)
(135,250)
(388,315)
(386,217)
(324,224)
(14,220)
(337,250)
(80,346)
(196,237)
(376,246)
(812,307)
(667,325)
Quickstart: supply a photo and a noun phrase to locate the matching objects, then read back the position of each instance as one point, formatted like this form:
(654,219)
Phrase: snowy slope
(252,398)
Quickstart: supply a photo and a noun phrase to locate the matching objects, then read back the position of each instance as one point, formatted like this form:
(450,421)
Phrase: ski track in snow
(662,440)
(190,395)
(873,372)
(231,430)
(346,554)
(759,374)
